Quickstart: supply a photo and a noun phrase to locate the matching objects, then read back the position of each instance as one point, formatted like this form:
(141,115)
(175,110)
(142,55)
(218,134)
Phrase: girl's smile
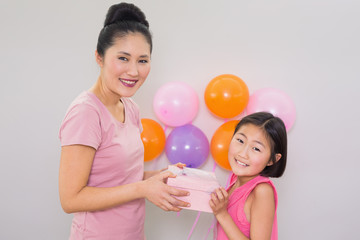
(241,163)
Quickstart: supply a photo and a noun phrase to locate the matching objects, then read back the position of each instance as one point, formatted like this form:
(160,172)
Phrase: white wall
(307,48)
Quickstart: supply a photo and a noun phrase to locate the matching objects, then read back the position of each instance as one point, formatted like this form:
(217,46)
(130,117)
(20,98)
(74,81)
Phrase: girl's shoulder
(263,190)
(260,187)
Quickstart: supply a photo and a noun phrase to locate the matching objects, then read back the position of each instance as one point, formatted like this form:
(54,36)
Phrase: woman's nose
(132,69)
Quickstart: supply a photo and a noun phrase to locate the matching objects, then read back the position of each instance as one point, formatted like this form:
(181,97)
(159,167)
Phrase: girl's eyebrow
(254,140)
(260,143)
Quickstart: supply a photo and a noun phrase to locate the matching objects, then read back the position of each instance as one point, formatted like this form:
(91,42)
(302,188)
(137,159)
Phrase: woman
(102,179)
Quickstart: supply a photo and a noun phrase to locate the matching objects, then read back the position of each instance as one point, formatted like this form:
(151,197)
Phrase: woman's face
(125,65)
(249,152)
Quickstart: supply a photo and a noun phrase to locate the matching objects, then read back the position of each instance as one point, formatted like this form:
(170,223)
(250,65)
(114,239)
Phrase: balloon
(187,144)
(226,96)
(219,145)
(176,104)
(274,101)
(153,138)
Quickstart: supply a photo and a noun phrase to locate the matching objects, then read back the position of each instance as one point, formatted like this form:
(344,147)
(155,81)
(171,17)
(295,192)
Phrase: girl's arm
(262,211)
(218,203)
(76,196)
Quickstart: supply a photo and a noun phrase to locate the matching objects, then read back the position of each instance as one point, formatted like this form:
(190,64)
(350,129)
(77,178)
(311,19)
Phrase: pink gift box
(199,183)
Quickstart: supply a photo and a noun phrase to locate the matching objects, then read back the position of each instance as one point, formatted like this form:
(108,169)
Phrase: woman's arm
(76,196)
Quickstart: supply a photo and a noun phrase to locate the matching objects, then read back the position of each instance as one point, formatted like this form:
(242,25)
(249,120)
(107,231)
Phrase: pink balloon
(176,104)
(274,101)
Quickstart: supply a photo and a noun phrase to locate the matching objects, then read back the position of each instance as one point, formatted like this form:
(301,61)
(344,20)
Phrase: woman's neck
(106,96)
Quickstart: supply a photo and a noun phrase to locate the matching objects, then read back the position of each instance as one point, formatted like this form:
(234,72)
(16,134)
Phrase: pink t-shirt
(236,207)
(119,160)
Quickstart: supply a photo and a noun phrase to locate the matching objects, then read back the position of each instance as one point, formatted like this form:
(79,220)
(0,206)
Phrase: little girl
(257,151)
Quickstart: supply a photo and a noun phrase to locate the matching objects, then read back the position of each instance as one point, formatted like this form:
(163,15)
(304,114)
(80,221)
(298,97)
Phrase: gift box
(199,183)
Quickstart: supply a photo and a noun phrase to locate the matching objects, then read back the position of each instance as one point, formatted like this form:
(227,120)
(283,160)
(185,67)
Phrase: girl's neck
(241,180)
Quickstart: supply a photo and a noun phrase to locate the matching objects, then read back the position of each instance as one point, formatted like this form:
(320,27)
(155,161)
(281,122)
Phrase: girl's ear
(277,158)
(98,59)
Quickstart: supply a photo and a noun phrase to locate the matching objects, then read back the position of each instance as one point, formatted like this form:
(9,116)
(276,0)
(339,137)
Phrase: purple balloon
(187,144)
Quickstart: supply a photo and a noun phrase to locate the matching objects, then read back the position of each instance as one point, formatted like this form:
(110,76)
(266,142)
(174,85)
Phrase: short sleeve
(81,126)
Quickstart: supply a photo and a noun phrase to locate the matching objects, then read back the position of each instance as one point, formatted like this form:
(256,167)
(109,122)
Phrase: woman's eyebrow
(125,53)
(128,54)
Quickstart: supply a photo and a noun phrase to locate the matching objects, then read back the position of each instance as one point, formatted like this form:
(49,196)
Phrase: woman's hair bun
(125,12)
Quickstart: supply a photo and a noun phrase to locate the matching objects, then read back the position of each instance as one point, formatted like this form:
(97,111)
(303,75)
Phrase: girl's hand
(219,201)
(162,195)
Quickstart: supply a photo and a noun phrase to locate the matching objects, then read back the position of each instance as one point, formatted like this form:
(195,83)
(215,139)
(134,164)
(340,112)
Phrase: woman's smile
(128,82)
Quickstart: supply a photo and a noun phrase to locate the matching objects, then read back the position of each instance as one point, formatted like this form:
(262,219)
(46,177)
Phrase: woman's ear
(277,158)
(99,59)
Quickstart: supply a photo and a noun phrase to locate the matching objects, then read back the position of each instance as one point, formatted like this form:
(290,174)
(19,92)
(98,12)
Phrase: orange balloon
(219,145)
(226,96)
(153,138)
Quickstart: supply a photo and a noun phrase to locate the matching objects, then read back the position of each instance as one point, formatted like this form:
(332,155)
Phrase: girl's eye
(123,58)
(240,140)
(143,61)
(256,149)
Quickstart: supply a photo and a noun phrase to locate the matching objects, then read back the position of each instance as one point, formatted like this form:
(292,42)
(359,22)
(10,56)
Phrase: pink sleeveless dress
(236,207)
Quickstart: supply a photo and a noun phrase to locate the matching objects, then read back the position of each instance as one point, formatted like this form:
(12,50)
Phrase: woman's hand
(219,201)
(148,174)
(179,165)
(162,195)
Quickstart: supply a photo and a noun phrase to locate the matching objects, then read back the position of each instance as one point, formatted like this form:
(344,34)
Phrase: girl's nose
(243,152)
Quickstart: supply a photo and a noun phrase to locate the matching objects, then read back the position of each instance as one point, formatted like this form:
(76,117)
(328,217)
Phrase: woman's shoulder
(85,101)
(83,105)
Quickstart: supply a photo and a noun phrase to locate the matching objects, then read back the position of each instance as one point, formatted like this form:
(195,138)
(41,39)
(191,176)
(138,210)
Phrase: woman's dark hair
(275,132)
(121,19)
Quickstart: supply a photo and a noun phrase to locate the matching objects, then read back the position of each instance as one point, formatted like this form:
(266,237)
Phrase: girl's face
(125,65)
(249,152)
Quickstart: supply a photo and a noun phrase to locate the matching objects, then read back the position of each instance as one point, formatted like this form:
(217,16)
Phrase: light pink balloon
(176,104)
(274,101)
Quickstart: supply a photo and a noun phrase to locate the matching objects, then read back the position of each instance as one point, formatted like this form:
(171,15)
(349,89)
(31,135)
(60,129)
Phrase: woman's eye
(143,61)
(123,58)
